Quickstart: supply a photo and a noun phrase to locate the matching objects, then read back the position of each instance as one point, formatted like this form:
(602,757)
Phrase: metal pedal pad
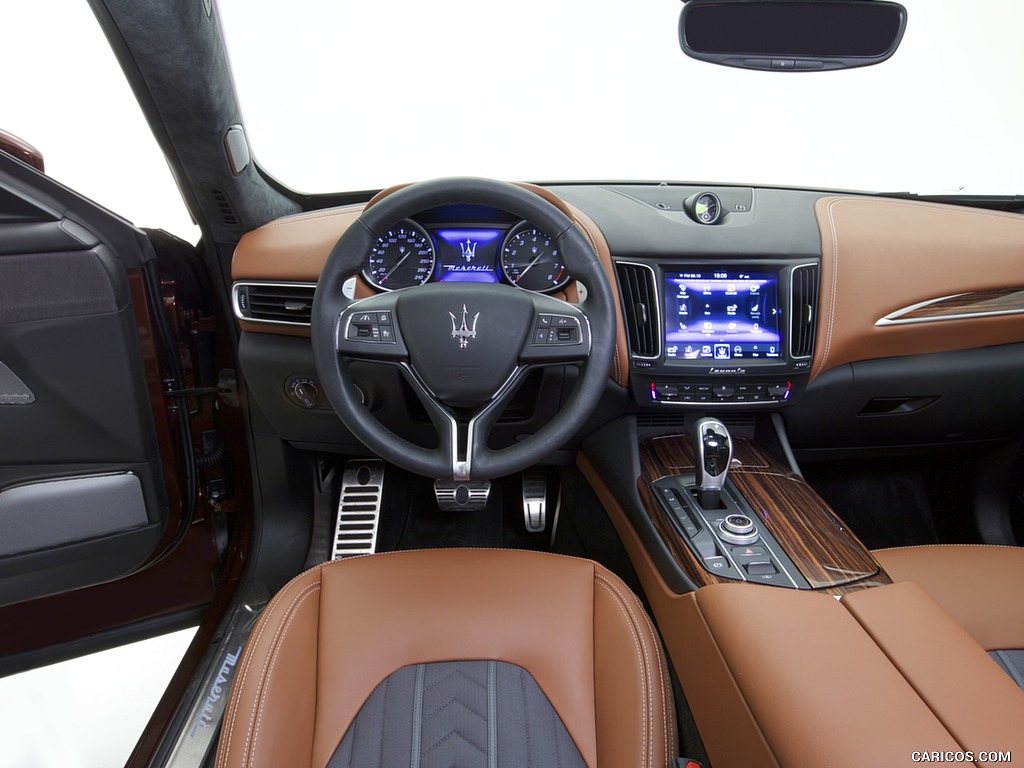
(454,496)
(362,488)
(535,501)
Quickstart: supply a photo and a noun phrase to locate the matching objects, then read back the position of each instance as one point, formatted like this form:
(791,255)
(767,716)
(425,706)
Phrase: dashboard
(847,310)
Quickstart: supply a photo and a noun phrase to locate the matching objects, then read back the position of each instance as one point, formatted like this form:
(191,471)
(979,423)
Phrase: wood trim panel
(1006,301)
(825,551)
(882,255)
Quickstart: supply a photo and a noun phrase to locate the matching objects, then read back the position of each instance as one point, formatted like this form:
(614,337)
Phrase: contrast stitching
(934,546)
(311,217)
(901,203)
(618,587)
(642,663)
(293,611)
(662,669)
(252,642)
(593,244)
(835,283)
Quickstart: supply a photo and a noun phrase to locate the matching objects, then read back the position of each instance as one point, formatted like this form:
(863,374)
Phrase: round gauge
(531,260)
(402,257)
(707,208)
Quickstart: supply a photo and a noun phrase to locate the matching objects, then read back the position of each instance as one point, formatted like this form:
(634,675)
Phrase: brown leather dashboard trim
(295,248)
(880,256)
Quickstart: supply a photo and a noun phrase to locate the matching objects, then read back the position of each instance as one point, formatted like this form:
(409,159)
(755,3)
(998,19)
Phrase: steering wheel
(463,347)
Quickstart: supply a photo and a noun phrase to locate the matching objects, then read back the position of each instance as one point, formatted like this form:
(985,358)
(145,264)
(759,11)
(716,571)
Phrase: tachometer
(402,257)
(530,259)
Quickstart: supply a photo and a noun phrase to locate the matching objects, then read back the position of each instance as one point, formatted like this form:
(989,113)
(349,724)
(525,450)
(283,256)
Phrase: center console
(766,526)
(721,334)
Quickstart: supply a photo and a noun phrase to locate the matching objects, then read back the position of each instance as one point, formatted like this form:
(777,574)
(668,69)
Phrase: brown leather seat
(334,633)
(979,586)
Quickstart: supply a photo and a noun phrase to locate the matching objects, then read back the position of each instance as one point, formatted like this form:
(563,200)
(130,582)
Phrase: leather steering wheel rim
(446,461)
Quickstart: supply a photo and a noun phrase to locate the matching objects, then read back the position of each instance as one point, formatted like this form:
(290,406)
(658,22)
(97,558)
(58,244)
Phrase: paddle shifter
(712,449)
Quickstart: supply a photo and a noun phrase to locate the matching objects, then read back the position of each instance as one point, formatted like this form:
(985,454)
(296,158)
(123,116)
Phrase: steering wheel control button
(371,327)
(556,330)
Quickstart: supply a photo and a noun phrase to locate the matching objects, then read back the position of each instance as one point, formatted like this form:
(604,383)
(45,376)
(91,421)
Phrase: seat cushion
(336,632)
(474,714)
(979,586)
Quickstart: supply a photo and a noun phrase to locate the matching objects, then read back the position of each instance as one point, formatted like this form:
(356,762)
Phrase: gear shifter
(712,448)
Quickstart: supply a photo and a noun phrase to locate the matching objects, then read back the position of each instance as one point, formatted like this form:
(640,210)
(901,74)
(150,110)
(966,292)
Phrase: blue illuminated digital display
(468,255)
(722,315)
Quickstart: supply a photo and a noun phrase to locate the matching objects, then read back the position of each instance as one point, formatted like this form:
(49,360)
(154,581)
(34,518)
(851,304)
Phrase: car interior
(478,472)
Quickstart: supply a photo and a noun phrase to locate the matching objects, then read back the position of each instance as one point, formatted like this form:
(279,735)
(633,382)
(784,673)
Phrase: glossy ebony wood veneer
(826,552)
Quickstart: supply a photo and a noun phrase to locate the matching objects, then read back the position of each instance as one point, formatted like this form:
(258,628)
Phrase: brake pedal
(362,488)
(456,495)
(535,501)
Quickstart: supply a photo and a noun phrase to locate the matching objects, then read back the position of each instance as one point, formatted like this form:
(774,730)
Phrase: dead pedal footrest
(362,488)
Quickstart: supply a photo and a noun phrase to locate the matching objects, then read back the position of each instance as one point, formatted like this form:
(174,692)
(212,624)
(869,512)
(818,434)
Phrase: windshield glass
(349,96)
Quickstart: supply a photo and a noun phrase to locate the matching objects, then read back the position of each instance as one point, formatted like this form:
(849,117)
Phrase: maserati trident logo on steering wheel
(463,332)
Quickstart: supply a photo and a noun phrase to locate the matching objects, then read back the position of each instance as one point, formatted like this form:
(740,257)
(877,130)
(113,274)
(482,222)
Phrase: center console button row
(719,393)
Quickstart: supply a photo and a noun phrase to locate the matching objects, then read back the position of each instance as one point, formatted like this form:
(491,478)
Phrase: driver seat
(427,658)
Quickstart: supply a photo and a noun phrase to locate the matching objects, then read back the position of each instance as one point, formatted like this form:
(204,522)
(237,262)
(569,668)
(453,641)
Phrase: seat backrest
(333,634)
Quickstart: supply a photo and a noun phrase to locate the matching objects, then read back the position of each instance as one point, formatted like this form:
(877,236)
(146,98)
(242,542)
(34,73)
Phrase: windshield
(349,96)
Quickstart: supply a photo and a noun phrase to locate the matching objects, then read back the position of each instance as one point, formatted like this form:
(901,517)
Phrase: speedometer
(402,257)
(531,259)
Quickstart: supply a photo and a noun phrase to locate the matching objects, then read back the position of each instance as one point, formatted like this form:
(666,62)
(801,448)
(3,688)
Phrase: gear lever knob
(712,448)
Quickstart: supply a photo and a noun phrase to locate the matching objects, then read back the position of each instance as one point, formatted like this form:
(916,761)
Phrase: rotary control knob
(738,529)
(304,392)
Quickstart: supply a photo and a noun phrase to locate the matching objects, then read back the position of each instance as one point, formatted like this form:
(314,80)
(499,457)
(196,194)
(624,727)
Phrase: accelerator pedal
(535,501)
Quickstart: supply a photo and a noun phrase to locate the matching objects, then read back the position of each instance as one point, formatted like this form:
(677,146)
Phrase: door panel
(82,494)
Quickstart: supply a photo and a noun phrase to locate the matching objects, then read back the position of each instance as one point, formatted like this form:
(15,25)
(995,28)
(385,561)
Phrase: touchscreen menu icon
(721,351)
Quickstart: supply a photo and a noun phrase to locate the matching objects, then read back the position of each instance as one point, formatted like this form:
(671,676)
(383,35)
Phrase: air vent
(287,303)
(804,315)
(640,309)
(222,205)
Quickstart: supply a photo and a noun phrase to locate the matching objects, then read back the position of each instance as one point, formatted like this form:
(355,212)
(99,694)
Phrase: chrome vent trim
(638,288)
(803,315)
(273,303)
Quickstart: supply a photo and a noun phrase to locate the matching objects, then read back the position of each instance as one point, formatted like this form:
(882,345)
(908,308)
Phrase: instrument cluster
(410,254)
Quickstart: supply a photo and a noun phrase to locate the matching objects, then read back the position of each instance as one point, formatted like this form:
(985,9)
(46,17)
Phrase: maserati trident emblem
(468,250)
(463,332)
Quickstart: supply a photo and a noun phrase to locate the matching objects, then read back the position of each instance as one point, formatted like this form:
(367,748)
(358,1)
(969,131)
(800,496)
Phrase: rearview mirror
(798,35)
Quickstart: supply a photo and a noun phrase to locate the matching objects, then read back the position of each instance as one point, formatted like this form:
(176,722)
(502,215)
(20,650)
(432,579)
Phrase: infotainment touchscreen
(719,315)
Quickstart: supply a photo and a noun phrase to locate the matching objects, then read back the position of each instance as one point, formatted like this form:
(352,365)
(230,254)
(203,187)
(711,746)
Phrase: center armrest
(812,681)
